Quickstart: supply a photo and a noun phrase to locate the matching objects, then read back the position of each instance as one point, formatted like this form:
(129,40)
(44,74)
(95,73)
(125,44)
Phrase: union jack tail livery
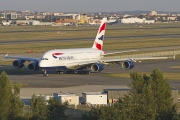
(98,43)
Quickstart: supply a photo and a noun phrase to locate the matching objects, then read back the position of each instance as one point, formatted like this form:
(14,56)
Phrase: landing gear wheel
(45,73)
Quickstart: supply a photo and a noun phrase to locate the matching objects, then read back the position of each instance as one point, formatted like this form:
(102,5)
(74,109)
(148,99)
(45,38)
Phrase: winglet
(174,56)
(6,56)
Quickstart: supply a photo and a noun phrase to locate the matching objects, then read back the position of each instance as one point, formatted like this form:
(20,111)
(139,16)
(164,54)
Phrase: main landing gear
(74,72)
(78,72)
(67,72)
(45,73)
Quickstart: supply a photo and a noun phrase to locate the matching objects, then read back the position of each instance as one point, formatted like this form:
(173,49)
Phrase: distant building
(136,20)
(10,16)
(114,94)
(83,19)
(63,22)
(94,98)
(152,13)
(29,17)
(34,22)
(131,20)
(94,22)
(70,16)
(40,17)
(22,22)
(172,18)
(57,14)
(6,23)
(71,98)
(47,13)
(46,98)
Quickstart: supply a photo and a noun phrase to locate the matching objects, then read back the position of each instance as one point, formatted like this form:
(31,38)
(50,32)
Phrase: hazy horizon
(91,6)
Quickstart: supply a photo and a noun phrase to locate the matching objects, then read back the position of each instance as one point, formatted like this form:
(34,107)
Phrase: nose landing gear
(45,73)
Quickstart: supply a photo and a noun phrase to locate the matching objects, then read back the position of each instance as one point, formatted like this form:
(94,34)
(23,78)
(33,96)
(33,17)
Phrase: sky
(90,5)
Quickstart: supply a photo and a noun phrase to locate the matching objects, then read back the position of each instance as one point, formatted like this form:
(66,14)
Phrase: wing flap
(118,52)
(134,59)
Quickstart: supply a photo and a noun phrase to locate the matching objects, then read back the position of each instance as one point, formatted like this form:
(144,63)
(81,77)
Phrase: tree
(150,98)
(16,111)
(11,107)
(176,117)
(103,113)
(162,95)
(38,108)
(5,96)
(56,110)
(141,103)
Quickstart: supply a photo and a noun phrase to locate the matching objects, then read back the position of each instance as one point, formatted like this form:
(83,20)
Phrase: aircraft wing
(134,59)
(118,52)
(22,58)
(105,61)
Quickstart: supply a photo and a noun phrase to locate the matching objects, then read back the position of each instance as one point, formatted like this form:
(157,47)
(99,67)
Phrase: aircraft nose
(41,64)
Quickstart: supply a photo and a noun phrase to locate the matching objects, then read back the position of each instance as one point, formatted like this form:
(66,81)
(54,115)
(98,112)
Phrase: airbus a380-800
(79,59)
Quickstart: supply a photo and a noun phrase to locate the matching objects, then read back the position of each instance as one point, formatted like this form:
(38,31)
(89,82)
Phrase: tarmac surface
(78,83)
(96,82)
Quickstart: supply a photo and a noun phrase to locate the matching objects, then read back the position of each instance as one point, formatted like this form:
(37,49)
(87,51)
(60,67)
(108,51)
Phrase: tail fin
(98,43)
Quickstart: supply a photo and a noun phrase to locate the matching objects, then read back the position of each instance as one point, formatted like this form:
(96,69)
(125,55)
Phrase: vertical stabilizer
(98,43)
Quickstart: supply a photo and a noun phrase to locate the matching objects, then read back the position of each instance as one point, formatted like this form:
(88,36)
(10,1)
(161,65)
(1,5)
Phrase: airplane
(81,60)
(112,21)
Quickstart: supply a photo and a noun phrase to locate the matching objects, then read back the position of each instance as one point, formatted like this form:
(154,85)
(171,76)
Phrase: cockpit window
(44,59)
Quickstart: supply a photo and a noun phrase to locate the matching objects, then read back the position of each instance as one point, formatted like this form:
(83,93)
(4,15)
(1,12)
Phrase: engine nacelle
(97,67)
(18,63)
(128,64)
(33,66)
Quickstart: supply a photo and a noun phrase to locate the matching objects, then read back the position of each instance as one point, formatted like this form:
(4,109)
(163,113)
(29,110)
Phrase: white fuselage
(66,58)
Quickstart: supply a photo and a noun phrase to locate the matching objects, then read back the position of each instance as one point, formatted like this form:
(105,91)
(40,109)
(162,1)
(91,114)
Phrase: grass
(169,76)
(49,32)
(25,33)
(108,45)
(175,67)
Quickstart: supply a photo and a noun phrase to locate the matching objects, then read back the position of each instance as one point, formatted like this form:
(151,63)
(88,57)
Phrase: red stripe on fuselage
(57,53)
(54,54)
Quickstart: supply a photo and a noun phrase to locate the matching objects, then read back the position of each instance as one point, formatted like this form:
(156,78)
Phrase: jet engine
(18,63)
(33,66)
(128,64)
(97,67)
